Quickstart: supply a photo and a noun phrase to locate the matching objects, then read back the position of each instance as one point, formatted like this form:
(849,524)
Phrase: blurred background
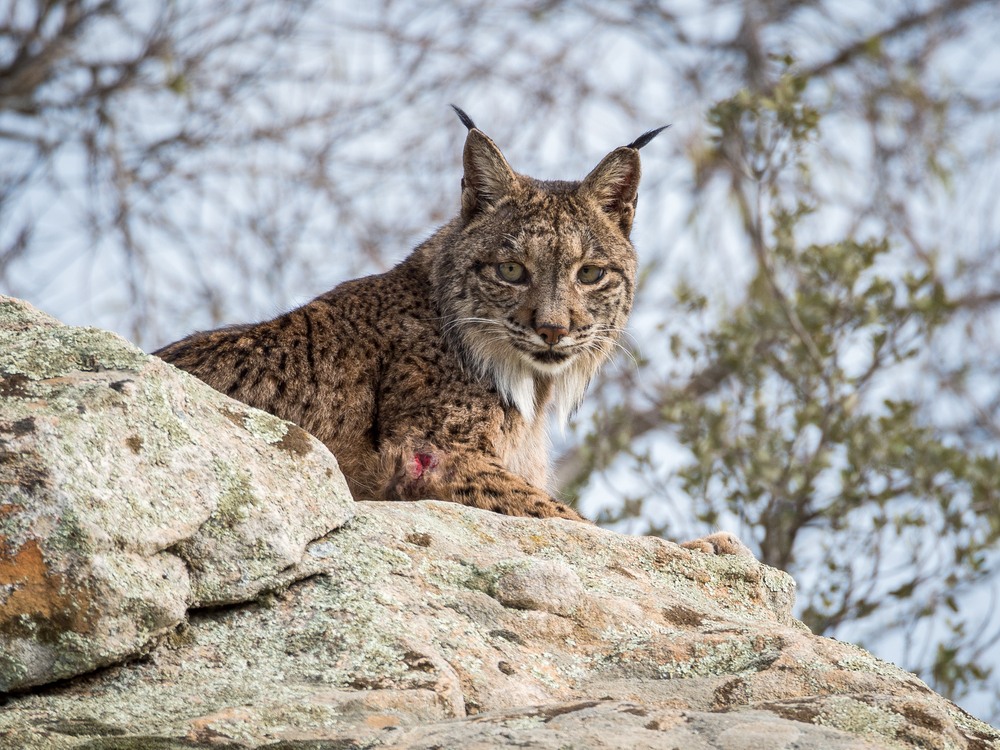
(813,362)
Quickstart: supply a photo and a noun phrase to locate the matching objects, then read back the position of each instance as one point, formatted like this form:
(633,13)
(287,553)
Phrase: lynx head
(535,279)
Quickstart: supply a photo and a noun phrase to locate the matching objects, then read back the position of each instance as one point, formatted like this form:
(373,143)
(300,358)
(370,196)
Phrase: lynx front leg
(720,543)
(469,478)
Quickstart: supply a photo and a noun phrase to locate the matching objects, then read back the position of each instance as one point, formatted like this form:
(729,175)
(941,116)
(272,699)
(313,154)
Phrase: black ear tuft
(467,121)
(639,142)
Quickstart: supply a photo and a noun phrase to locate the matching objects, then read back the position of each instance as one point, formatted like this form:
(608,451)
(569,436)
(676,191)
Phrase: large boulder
(438,626)
(129,492)
(429,625)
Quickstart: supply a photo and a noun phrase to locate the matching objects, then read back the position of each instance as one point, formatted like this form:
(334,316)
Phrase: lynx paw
(720,543)
(543,506)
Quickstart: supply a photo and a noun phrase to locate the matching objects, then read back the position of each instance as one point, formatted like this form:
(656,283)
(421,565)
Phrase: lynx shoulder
(432,380)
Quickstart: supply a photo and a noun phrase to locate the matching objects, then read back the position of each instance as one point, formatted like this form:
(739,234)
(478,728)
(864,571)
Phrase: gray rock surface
(424,625)
(130,491)
(406,641)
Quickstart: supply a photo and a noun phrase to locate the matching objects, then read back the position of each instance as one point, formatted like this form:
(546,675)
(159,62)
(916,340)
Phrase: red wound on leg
(423,462)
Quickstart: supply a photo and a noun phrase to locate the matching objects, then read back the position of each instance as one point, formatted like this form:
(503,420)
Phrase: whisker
(491,321)
(618,344)
(487,321)
(615,344)
(621,332)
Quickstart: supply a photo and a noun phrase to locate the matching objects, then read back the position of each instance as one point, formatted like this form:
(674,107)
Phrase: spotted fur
(432,380)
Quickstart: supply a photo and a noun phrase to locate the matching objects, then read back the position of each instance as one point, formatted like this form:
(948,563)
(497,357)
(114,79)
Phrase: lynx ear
(487,177)
(614,183)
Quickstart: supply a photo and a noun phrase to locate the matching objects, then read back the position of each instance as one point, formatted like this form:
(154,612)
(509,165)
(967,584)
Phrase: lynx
(433,380)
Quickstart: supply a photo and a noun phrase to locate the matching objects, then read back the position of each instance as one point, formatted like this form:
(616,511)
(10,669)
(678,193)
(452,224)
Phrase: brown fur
(432,380)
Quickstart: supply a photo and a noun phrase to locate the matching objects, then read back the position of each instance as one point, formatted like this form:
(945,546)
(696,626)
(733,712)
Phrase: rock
(417,636)
(545,586)
(129,492)
(427,625)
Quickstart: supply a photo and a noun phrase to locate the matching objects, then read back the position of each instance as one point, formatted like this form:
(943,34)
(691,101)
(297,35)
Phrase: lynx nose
(552,334)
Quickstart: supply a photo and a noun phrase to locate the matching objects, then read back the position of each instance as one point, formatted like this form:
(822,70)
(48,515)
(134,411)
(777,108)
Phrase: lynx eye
(590,274)
(512,272)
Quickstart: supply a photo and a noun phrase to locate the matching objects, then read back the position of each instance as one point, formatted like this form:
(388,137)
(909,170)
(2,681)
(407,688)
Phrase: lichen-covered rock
(129,492)
(435,626)
(545,585)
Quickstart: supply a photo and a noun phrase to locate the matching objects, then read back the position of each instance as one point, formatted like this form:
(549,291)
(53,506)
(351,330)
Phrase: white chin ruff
(514,376)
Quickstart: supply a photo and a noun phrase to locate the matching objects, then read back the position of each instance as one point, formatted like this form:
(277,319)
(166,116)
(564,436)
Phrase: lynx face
(540,283)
